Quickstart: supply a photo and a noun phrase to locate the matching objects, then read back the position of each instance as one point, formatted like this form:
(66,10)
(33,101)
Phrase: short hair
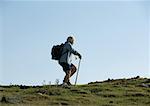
(70,37)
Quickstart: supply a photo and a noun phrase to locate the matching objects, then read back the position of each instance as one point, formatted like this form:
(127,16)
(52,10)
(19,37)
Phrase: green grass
(120,92)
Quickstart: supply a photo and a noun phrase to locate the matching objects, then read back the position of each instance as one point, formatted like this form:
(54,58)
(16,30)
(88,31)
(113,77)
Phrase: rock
(3,100)
(64,103)
(110,101)
(145,85)
(147,81)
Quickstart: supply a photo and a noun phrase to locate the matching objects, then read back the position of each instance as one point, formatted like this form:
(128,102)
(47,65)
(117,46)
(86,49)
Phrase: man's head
(70,39)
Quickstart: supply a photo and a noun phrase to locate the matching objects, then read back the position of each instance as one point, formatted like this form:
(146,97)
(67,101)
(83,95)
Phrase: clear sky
(112,36)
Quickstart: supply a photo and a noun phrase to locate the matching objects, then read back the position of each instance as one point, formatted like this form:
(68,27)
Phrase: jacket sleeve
(71,50)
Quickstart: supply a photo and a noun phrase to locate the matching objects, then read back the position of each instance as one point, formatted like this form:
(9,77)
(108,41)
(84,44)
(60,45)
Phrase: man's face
(72,41)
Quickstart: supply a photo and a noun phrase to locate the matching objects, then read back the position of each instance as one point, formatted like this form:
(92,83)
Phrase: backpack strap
(64,52)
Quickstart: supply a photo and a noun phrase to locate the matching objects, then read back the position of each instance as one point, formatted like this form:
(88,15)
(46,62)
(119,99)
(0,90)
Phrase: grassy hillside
(119,92)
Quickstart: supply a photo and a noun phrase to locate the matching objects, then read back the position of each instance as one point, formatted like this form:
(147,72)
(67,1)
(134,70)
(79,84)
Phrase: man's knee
(74,68)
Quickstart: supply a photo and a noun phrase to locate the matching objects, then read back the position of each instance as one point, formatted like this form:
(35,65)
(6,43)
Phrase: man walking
(66,58)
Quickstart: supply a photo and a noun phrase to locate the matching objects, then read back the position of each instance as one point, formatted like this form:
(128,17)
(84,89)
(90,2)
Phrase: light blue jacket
(66,53)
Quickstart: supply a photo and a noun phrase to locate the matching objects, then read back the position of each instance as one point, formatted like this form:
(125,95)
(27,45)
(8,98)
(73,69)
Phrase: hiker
(66,58)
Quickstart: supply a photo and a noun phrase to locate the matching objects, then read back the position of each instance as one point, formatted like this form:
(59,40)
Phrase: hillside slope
(119,92)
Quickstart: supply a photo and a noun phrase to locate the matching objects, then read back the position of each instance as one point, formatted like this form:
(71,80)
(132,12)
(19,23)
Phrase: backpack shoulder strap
(64,52)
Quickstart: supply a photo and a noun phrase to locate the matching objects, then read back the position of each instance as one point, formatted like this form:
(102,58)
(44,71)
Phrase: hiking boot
(64,84)
(69,83)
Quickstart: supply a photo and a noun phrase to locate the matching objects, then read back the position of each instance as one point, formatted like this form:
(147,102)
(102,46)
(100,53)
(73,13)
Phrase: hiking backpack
(56,51)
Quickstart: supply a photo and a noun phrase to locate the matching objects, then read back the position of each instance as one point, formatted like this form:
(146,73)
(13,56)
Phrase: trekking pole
(77,72)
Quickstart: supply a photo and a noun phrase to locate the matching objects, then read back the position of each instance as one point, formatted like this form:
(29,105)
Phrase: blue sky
(112,36)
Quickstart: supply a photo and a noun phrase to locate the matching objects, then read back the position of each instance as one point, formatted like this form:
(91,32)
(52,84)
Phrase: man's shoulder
(67,44)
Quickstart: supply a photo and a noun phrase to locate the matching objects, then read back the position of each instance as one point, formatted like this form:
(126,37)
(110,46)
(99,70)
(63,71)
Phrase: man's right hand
(80,56)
